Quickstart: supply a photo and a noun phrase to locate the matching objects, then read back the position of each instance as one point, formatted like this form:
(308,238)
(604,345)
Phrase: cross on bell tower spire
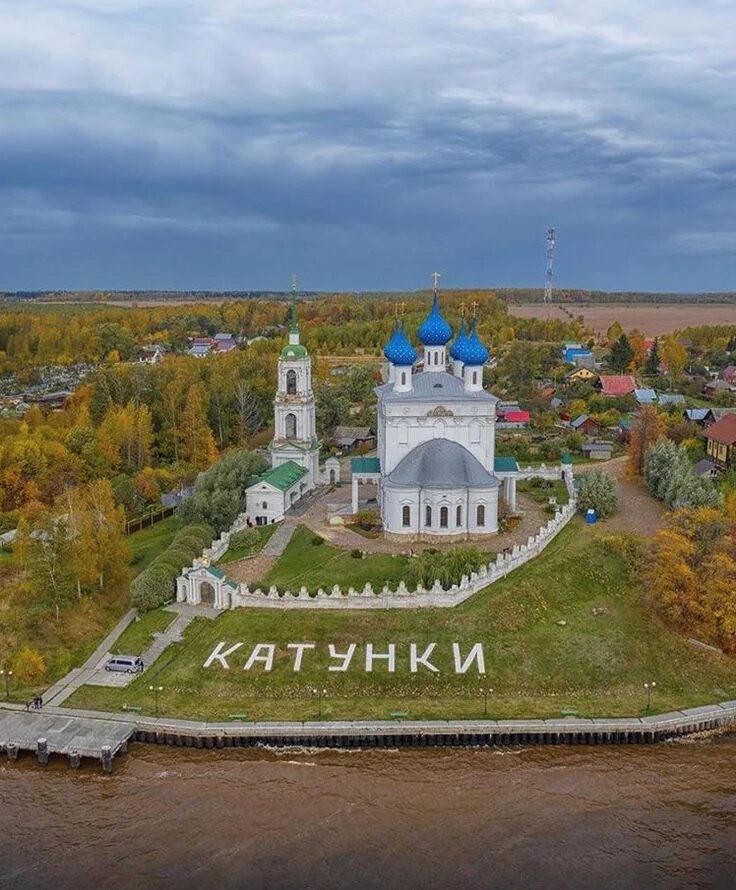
(294,327)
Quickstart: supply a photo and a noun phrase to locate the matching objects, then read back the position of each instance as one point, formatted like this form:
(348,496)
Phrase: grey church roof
(441,463)
(432,385)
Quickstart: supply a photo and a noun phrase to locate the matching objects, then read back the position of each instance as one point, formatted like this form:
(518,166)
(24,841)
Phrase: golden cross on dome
(474,308)
(436,280)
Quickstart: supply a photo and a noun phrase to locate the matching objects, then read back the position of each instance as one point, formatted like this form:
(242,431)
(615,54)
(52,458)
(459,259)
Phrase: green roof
(505,465)
(282,477)
(365,465)
(294,351)
(566,459)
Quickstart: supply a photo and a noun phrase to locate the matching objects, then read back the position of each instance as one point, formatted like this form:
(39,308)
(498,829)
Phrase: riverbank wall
(91,734)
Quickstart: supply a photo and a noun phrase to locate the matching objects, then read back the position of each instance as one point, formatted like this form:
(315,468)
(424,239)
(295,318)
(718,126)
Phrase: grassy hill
(571,630)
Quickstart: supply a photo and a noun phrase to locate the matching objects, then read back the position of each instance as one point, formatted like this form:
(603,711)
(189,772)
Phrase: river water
(639,817)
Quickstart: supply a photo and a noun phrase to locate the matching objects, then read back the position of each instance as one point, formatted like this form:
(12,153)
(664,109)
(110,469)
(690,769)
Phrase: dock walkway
(102,735)
(59,732)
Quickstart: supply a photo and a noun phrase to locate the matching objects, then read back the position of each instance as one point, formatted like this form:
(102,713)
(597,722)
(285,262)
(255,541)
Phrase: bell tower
(295,430)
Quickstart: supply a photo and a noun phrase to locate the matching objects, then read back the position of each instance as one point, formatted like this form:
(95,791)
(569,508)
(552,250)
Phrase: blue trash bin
(590,517)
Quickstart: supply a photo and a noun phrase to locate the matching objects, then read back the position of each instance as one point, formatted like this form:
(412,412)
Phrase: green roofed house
(270,495)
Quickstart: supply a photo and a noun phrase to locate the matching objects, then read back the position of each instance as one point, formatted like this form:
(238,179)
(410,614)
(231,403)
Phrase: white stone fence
(402,598)
(219,547)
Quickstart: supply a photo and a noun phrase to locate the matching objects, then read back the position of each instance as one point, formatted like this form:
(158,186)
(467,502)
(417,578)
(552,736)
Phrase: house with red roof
(616,384)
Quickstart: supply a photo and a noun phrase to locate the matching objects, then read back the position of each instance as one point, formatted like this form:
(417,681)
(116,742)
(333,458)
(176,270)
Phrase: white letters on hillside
(346,657)
(266,658)
(219,655)
(423,659)
(299,653)
(371,656)
(341,657)
(475,654)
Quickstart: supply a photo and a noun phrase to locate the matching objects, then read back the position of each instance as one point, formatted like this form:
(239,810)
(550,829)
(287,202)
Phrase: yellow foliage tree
(28,665)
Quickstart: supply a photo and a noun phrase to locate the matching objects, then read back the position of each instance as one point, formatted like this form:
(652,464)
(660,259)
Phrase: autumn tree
(646,428)
(674,356)
(197,442)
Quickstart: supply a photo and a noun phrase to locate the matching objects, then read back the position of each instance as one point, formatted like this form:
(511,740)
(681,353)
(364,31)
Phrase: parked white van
(130,664)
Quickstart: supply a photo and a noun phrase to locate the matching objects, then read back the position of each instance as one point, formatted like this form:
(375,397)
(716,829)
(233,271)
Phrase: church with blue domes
(435,468)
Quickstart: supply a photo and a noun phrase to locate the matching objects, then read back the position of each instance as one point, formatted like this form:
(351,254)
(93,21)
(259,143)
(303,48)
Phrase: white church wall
(403,432)
(403,598)
(265,500)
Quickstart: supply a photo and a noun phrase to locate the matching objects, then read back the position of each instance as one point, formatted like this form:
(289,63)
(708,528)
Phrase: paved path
(256,568)
(166,730)
(279,540)
(77,677)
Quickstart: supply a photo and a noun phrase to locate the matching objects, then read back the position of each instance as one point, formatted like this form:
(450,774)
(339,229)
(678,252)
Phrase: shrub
(28,665)
(670,477)
(447,567)
(368,520)
(198,536)
(356,554)
(175,558)
(152,588)
(598,490)
(317,540)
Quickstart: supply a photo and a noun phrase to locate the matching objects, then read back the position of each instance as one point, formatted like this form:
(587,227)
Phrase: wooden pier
(67,734)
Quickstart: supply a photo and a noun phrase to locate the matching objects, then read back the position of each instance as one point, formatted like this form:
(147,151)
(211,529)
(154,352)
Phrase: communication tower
(550,265)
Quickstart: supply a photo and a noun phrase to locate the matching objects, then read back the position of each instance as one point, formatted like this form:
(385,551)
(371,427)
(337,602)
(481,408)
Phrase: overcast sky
(225,144)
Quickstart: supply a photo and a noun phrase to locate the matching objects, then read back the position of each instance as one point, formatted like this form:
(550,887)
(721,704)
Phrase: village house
(616,384)
(580,375)
(729,375)
(645,396)
(352,437)
(721,441)
(224,342)
(597,450)
(586,425)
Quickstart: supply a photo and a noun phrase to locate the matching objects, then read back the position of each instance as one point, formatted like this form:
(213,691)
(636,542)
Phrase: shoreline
(21,731)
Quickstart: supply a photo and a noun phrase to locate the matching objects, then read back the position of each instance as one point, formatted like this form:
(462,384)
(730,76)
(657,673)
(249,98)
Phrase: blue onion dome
(434,330)
(472,351)
(399,350)
(458,342)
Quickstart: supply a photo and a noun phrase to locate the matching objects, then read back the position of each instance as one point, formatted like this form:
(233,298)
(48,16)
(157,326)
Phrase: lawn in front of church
(570,631)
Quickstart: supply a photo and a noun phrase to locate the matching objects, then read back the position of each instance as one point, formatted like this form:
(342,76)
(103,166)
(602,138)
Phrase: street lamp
(320,693)
(649,688)
(485,692)
(7,675)
(155,690)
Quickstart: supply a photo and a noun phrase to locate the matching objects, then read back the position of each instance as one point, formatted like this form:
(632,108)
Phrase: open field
(651,319)
(571,630)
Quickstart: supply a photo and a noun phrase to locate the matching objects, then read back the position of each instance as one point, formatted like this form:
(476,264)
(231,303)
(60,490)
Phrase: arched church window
(265,505)
(291,382)
(290,421)
(428,516)
(403,378)
(403,434)
(406,516)
(443,517)
(474,433)
(459,516)
(475,376)
(480,515)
